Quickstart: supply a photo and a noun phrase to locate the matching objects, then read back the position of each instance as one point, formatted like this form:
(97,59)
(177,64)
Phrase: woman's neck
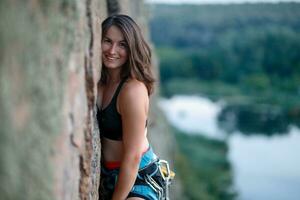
(114,76)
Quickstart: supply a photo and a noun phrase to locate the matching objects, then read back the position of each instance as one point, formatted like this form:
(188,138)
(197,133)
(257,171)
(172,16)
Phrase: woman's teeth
(111,58)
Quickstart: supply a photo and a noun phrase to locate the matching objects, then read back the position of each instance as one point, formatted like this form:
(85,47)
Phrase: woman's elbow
(134,159)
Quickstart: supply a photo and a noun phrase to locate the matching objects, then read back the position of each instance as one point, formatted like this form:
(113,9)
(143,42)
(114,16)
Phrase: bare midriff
(112,151)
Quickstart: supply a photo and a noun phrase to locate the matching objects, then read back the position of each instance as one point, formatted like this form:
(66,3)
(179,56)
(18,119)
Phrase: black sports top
(109,120)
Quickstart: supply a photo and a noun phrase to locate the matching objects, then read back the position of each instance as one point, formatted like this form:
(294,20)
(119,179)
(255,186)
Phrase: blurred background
(230,88)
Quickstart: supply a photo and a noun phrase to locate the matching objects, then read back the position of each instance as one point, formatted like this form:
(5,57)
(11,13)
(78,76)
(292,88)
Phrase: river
(264,167)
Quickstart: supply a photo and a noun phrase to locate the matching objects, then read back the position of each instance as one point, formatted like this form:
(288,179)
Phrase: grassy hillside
(203,168)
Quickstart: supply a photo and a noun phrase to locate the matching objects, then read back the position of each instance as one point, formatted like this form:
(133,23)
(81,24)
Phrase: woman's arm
(133,107)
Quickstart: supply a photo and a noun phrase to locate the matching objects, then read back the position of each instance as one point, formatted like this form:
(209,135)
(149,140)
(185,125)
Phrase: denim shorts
(109,178)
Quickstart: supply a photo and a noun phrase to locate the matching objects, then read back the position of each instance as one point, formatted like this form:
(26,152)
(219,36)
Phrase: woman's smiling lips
(109,58)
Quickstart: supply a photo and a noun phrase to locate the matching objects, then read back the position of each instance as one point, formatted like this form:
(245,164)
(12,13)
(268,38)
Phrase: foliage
(253,47)
(203,168)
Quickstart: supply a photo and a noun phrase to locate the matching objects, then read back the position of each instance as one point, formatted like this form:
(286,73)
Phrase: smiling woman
(130,169)
(114,48)
(123,41)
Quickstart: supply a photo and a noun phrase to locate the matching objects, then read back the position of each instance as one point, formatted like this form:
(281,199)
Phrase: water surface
(264,167)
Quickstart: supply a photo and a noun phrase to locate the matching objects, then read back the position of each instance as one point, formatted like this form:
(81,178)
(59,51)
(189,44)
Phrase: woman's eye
(106,41)
(123,45)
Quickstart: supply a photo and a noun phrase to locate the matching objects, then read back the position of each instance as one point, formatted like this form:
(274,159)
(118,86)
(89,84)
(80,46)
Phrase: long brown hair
(138,64)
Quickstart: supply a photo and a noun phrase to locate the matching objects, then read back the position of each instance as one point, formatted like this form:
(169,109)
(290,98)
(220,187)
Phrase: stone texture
(50,59)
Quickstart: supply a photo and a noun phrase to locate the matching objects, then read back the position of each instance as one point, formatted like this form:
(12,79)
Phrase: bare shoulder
(134,88)
(133,94)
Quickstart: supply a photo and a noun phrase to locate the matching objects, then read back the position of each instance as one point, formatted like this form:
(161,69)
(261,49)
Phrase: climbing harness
(158,176)
(153,179)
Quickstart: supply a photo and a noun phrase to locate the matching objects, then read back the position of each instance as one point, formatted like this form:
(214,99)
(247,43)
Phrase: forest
(228,49)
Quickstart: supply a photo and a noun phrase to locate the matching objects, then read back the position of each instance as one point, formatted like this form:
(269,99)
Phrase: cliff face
(49,67)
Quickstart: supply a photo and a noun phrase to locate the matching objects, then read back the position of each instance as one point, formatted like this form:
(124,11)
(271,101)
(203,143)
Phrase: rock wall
(49,67)
(50,63)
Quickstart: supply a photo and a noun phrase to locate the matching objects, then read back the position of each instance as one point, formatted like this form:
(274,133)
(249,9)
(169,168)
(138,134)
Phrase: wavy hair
(138,64)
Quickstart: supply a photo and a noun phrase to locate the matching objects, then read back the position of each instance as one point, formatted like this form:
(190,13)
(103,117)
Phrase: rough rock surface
(49,67)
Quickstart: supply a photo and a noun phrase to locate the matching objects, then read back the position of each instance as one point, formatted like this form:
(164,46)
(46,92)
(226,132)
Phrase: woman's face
(114,48)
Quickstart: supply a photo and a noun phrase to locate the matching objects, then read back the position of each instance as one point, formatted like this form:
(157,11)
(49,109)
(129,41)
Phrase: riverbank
(202,166)
(285,105)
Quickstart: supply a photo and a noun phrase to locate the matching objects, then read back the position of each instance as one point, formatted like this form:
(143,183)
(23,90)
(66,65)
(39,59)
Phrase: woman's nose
(113,49)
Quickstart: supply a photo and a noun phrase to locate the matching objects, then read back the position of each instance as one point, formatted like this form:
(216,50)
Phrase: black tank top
(109,120)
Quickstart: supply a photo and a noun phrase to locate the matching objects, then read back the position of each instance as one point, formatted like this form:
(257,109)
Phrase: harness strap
(158,176)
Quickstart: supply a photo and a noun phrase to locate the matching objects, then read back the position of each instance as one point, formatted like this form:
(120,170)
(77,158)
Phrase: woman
(123,103)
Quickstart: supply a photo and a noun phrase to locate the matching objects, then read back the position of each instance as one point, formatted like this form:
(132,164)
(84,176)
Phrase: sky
(215,1)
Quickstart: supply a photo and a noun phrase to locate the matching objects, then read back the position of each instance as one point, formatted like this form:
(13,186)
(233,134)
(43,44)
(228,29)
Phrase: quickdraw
(167,175)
